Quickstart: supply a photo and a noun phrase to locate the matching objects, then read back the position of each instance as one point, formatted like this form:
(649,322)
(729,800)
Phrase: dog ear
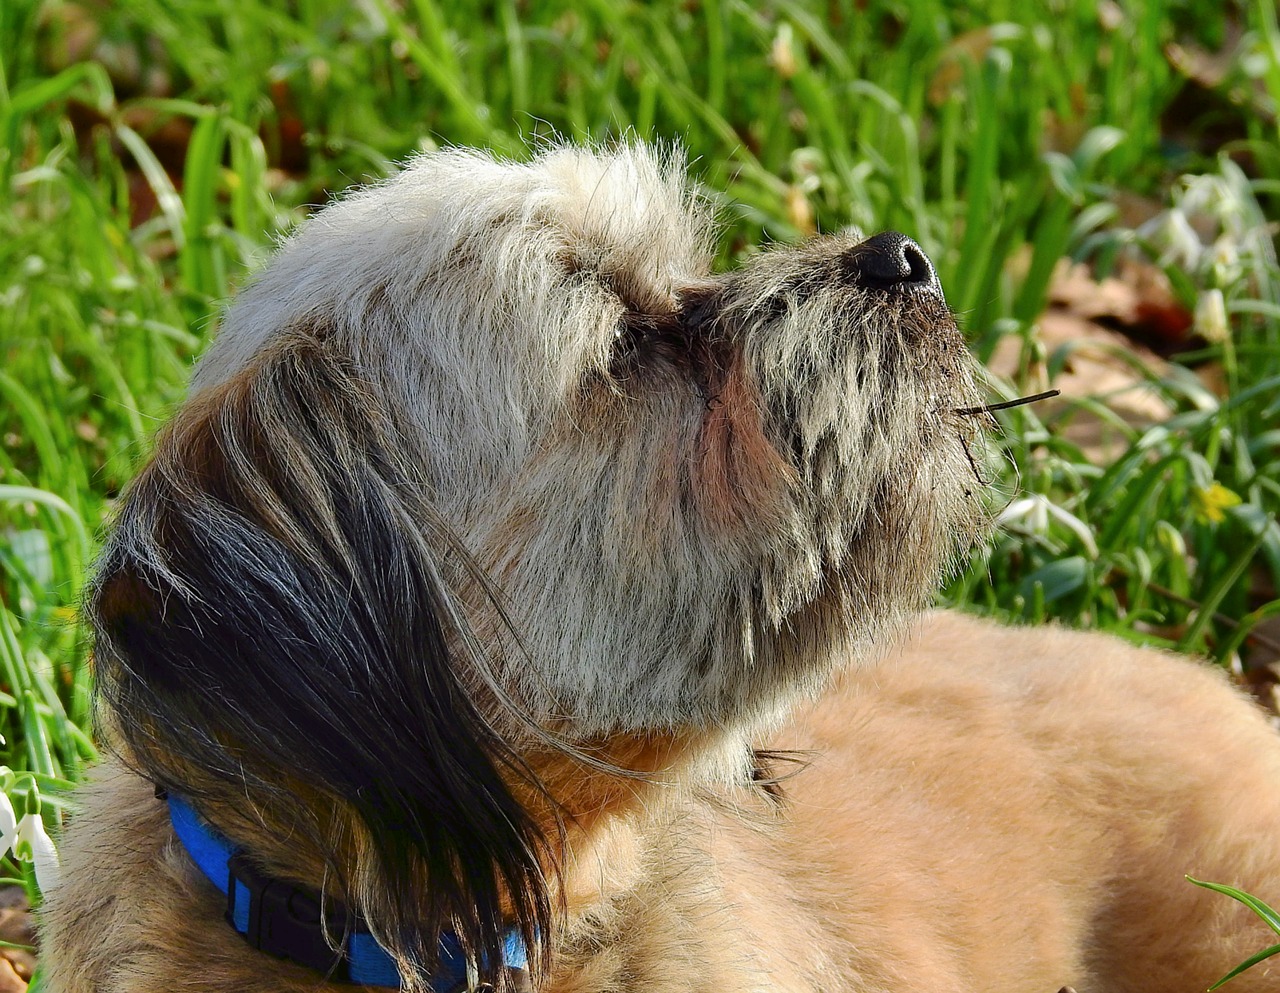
(273,612)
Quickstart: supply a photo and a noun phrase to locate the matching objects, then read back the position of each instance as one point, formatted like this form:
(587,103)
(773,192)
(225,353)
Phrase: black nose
(891,260)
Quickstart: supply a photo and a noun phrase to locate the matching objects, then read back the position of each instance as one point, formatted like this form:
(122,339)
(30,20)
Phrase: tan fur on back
(990,808)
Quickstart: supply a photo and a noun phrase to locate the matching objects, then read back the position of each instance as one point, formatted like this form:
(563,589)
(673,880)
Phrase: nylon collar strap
(284,920)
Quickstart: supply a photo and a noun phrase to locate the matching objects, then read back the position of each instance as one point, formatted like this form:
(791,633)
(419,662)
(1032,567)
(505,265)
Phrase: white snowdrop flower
(782,55)
(1211,317)
(8,825)
(1225,257)
(1037,511)
(1182,244)
(38,847)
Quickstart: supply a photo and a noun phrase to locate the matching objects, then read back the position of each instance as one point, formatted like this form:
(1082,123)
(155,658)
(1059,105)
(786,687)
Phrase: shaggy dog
(496,539)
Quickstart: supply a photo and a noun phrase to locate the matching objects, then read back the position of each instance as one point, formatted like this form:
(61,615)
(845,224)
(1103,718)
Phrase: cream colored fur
(990,809)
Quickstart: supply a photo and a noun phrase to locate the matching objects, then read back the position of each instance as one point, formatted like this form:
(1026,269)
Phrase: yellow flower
(1211,504)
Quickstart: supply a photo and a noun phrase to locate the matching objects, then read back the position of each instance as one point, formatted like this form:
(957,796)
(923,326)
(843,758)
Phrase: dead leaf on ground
(17,928)
(10,981)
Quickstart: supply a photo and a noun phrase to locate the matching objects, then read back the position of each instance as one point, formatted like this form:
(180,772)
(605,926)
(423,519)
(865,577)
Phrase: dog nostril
(890,259)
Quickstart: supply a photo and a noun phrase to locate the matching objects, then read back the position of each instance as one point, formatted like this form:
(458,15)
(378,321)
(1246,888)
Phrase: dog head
(487,459)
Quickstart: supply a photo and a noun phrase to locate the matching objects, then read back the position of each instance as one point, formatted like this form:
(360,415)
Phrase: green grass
(1264,913)
(150,151)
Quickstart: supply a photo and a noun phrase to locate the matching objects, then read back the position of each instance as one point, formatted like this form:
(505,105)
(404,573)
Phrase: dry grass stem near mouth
(1008,404)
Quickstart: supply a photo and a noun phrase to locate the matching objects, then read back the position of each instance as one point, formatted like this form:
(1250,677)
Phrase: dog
(516,603)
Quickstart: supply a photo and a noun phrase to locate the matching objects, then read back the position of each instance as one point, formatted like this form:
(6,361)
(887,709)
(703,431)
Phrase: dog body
(497,530)
(988,809)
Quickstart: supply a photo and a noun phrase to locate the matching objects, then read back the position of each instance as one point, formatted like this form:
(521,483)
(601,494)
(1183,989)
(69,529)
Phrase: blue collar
(284,920)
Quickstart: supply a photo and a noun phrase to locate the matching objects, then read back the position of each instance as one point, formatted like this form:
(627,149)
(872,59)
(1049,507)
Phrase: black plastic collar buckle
(284,920)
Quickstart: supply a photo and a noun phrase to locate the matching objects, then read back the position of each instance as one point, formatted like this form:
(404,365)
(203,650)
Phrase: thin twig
(1008,403)
(1254,636)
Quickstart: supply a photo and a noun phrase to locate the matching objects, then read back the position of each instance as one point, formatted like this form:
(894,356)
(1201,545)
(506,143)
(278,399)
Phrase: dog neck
(290,921)
(618,844)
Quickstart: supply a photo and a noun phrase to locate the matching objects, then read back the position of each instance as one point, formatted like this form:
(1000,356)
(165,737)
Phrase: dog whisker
(973,463)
